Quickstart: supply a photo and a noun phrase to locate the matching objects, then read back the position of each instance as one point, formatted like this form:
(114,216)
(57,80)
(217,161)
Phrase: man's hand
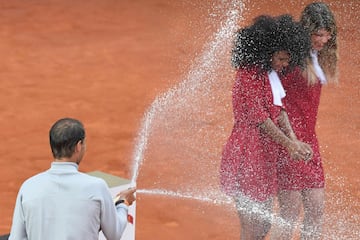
(127,195)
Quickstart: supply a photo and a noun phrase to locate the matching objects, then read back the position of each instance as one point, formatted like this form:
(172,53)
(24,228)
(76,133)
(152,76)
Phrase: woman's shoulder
(292,74)
(249,78)
(251,73)
(295,80)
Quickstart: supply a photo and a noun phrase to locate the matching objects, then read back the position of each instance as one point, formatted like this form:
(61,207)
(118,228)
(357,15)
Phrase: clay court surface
(105,61)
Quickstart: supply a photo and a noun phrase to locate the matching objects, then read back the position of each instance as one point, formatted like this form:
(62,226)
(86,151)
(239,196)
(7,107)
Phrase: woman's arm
(285,125)
(296,149)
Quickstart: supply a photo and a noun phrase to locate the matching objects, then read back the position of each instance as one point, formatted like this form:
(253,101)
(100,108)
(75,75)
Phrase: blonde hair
(318,16)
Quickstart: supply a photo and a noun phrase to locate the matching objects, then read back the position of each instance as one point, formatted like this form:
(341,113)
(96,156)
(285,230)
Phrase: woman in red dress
(302,182)
(248,166)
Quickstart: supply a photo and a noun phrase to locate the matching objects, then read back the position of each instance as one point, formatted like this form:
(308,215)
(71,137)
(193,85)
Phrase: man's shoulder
(35,177)
(96,181)
(80,178)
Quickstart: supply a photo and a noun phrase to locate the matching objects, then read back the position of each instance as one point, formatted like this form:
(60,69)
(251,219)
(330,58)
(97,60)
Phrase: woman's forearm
(296,149)
(285,125)
(275,133)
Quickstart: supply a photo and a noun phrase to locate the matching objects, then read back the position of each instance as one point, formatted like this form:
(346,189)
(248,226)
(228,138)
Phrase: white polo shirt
(65,204)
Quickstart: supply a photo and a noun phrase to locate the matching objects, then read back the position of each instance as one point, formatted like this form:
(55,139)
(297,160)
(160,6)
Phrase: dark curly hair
(254,45)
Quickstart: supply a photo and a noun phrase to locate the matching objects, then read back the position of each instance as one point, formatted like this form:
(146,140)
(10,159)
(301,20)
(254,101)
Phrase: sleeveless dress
(301,103)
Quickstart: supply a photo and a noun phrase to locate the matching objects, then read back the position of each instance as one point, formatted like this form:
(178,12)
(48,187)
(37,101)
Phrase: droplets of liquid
(182,134)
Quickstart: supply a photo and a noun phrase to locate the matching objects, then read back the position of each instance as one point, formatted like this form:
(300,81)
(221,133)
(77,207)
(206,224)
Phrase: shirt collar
(64,166)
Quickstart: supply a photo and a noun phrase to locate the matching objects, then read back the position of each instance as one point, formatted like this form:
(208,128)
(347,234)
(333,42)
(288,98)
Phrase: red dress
(302,103)
(248,163)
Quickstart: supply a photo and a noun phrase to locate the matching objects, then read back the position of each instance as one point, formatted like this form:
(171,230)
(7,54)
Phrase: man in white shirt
(63,203)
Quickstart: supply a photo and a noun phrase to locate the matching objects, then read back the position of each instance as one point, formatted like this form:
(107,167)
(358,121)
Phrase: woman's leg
(314,201)
(255,218)
(290,203)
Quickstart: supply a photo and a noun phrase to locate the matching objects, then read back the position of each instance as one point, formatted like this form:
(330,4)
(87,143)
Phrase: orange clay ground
(105,61)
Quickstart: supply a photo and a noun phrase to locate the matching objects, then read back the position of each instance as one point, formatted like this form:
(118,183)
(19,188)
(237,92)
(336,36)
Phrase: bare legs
(255,218)
(313,213)
(290,203)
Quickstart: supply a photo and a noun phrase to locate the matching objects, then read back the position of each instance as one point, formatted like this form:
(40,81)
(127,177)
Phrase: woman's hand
(300,151)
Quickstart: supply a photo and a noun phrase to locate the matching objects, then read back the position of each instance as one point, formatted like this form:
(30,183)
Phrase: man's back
(62,203)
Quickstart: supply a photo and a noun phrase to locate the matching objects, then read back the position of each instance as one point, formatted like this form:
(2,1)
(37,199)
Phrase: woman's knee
(290,203)
(314,204)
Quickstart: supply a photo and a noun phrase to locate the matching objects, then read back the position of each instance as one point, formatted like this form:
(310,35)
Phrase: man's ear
(78,146)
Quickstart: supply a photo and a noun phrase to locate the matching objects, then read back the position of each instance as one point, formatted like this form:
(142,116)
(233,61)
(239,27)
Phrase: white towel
(277,88)
(318,70)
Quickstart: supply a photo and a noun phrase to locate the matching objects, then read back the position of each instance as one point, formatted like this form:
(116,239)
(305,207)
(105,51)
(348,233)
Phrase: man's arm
(18,228)
(114,218)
